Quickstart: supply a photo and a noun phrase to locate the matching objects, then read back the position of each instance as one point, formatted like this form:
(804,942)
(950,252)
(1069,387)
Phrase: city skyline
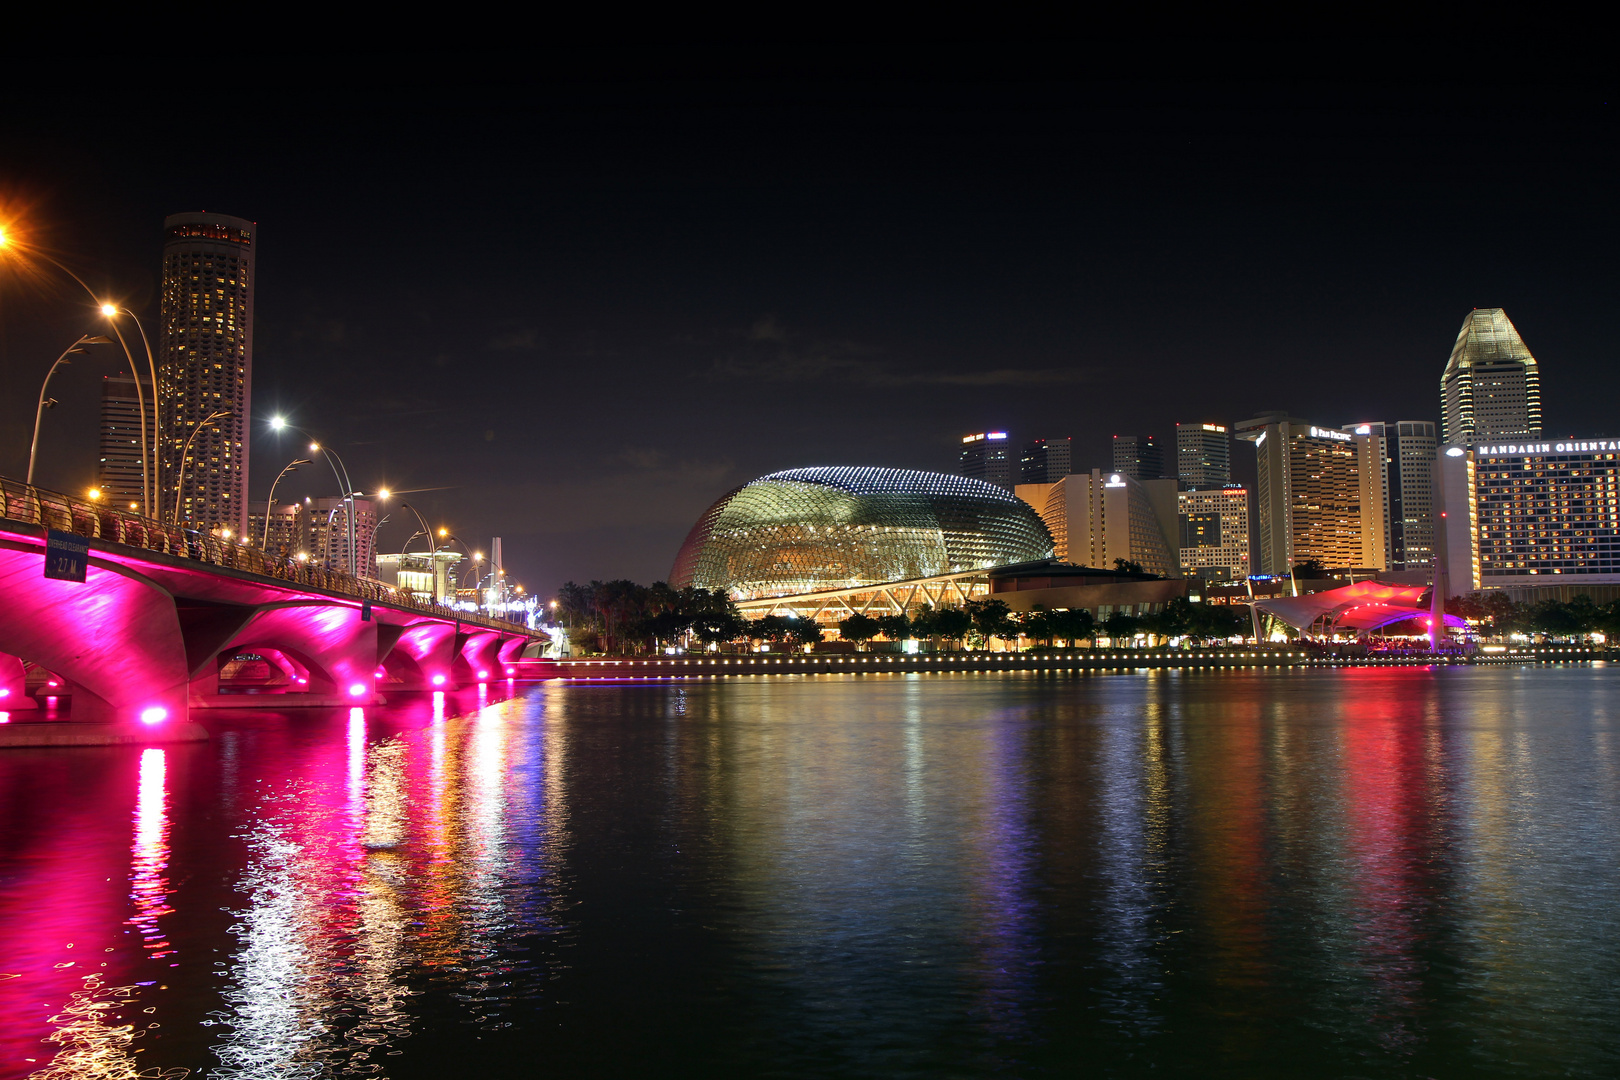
(879,272)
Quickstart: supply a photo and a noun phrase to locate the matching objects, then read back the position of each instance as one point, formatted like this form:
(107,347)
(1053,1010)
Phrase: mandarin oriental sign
(1587,446)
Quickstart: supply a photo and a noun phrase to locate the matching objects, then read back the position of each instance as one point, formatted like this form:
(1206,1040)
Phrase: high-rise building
(287,528)
(329,534)
(1138,456)
(1045,461)
(119,476)
(1397,484)
(1491,386)
(1097,517)
(1203,455)
(1522,512)
(986,456)
(1310,496)
(1215,532)
(206,368)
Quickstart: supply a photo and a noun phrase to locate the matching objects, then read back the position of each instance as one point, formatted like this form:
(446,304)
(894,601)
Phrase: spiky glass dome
(810,530)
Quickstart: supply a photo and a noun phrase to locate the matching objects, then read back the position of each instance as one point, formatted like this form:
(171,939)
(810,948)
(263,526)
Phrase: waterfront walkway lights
(46,403)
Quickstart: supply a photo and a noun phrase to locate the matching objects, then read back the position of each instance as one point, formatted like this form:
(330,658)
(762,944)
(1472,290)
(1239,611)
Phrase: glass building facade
(811,530)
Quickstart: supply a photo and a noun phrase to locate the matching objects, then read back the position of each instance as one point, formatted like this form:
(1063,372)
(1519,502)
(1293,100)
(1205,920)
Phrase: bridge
(168,620)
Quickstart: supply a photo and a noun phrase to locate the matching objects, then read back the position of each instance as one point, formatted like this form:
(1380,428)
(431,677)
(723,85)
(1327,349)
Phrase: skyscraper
(1215,532)
(1397,481)
(1138,457)
(1097,517)
(206,367)
(1491,386)
(1045,461)
(119,476)
(1310,501)
(1203,456)
(985,456)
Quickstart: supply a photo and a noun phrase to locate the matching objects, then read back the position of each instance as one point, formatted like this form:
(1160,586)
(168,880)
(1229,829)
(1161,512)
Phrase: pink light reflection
(149,889)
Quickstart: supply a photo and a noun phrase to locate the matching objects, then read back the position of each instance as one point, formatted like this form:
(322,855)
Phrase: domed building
(814,530)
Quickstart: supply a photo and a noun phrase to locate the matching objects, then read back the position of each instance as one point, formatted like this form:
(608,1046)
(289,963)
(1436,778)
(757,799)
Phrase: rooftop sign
(1329,433)
(1586,446)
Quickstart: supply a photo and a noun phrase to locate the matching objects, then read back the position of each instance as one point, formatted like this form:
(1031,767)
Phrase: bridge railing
(99,521)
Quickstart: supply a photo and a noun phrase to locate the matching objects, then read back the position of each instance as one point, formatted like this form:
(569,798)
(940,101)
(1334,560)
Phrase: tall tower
(1491,385)
(985,457)
(1138,456)
(1045,461)
(1203,456)
(119,477)
(1310,495)
(206,366)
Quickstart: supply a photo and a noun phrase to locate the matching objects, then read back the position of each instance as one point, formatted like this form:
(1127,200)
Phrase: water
(1350,873)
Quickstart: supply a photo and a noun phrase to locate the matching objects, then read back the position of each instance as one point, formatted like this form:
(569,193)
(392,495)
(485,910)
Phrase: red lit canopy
(1360,608)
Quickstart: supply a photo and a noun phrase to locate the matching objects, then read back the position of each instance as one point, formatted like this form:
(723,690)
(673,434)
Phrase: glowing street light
(186,451)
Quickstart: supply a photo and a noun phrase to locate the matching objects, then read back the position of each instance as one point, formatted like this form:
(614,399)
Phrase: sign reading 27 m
(66,556)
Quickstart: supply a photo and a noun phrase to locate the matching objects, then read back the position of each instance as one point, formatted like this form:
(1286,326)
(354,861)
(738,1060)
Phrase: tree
(1038,624)
(1126,566)
(1310,569)
(859,628)
(1120,625)
(895,627)
(804,632)
(990,619)
(1072,624)
(952,623)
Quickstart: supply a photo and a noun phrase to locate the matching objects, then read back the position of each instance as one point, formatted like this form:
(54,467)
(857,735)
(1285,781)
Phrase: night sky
(573,309)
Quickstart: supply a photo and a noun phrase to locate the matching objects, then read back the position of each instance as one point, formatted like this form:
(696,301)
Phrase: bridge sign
(66,555)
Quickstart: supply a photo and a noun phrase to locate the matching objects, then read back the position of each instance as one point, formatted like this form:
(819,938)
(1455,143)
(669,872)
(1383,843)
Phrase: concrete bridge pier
(334,648)
(14,696)
(421,656)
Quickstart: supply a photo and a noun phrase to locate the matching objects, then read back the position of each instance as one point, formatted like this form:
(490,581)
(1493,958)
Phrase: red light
(357,690)
(438,680)
(483,674)
(154,715)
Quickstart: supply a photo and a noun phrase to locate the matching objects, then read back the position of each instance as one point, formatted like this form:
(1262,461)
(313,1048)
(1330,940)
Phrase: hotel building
(1214,532)
(1310,495)
(1491,386)
(206,367)
(1097,517)
(1531,512)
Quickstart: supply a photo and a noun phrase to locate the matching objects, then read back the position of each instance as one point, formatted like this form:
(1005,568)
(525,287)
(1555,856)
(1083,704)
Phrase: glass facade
(809,530)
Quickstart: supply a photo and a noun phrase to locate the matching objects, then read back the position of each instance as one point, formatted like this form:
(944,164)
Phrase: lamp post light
(180,482)
(292,466)
(44,403)
(278,423)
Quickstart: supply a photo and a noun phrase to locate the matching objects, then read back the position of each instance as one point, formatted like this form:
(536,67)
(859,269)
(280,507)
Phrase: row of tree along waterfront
(622,617)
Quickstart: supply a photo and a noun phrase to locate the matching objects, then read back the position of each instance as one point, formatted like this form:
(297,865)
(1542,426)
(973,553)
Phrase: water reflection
(1365,872)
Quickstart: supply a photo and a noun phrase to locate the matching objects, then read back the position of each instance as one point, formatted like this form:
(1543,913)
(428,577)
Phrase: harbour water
(1353,872)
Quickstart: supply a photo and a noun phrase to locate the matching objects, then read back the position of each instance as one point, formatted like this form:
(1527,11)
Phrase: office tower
(1203,455)
(1097,517)
(1215,532)
(1138,457)
(1045,461)
(1309,496)
(1491,386)
(1398,479)
(329,534)
(119,476)
(986,457)
(205,368)
(1524,512)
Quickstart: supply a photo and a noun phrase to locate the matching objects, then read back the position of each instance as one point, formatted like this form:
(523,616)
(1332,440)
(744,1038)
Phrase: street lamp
(278,423)
(76,347)
(186,450)
(292,466)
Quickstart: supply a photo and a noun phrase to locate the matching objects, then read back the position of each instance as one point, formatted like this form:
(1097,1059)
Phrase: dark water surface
(1306,873)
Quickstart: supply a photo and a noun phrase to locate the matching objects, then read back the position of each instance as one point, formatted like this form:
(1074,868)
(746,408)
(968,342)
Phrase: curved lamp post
(76,347)
(179,483)
(292,466)
(278,423)
(149,480)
